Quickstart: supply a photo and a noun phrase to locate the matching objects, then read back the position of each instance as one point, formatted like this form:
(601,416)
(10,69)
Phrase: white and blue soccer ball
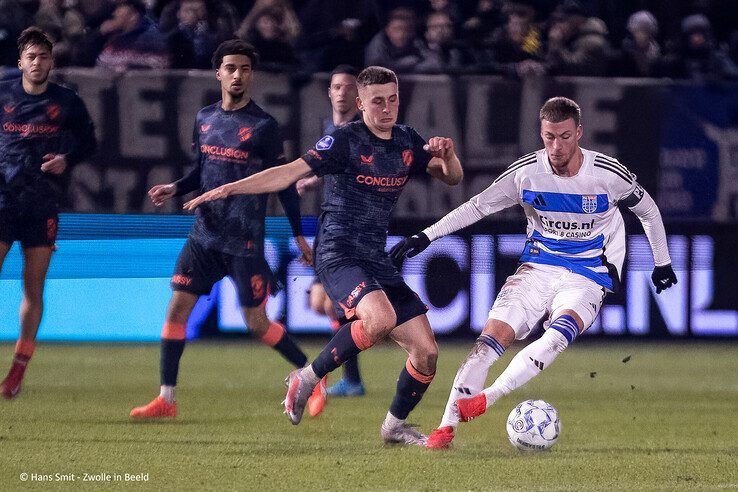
(533,425)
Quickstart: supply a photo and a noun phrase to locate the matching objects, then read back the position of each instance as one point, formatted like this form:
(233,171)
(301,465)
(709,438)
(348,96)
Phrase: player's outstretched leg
(469,380)
(416,337)
(172,346)
(527,364)
(348,341)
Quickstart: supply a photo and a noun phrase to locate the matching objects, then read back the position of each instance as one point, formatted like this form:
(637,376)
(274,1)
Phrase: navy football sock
(171,352)
(348,341)
(410,389)
(351,370)
(290,351)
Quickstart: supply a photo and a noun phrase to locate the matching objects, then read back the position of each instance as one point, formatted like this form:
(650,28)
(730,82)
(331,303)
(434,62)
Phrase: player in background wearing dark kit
(342,93)
(233,138)
(44,130)
(366,166)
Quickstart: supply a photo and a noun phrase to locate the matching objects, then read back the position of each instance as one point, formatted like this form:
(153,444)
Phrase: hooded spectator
(577,44)
(641,53)
(698,56)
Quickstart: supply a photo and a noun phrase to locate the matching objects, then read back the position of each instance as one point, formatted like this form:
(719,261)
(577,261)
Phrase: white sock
(167,392)
(471,376)
(309,375)
(390,421)
(527,364)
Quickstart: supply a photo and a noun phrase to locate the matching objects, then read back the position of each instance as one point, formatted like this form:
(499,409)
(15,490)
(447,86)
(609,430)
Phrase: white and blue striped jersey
(573,222)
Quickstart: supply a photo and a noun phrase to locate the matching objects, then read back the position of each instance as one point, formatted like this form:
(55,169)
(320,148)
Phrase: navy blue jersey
(364,176)
(232,145)
(31,126)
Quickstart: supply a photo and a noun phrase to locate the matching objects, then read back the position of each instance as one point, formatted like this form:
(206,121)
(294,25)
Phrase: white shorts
(536,290)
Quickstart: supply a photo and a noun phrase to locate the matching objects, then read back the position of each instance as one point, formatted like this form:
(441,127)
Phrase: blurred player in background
(572,259)
(233,138)
(45,131)
(367,165)
(342,93)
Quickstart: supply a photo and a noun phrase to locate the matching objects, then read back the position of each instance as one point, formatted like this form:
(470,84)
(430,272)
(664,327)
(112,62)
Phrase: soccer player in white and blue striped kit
(573,257)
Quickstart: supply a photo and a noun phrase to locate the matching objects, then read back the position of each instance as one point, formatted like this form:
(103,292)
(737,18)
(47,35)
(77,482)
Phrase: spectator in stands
(577,44)
(396,46)
(335,32)
(517,47)
(697,56)
(478,29)
(194,38)
(133,40)
(641,53)
(272,44)
(13,19)
(447,7)
(289,24)
(67,25)
(439,52)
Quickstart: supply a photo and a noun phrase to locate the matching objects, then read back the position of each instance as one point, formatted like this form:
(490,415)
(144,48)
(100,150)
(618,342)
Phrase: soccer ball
(533,425)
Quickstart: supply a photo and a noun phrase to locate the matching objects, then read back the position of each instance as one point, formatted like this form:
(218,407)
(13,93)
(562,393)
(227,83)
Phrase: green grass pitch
(665,420)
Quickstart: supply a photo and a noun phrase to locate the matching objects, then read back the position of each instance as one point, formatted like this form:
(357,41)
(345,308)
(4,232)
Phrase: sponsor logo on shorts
(51,229)
(354,294)
(407,157)
(180,279)
(324,143)
(258,287)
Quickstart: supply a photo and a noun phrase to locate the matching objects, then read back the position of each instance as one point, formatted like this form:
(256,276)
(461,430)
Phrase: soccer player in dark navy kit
(366,166)
(44,130)
(342,93)
(233,138)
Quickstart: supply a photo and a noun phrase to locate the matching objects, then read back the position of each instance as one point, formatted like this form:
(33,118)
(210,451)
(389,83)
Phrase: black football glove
(663,277)
(410,246)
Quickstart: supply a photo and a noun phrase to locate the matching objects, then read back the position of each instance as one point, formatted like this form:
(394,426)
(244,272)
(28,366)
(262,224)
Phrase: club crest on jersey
(324,143)
(589,204)
(244,133)
(407,157)
(52,111)
(204,128)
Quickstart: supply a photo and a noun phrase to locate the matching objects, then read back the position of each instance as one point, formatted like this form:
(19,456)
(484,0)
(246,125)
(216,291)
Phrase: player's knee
(33,298)
(378,325)
(425,357)
(317,305)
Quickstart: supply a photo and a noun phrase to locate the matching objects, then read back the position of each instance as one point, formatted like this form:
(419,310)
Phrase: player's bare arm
(267,181)
(445,164)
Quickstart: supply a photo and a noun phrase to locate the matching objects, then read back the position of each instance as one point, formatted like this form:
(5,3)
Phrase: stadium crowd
(691,39)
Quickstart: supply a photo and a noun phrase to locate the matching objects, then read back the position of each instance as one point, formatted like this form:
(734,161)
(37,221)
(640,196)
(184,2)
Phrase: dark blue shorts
(348,283)
(31,233)
(198,268)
